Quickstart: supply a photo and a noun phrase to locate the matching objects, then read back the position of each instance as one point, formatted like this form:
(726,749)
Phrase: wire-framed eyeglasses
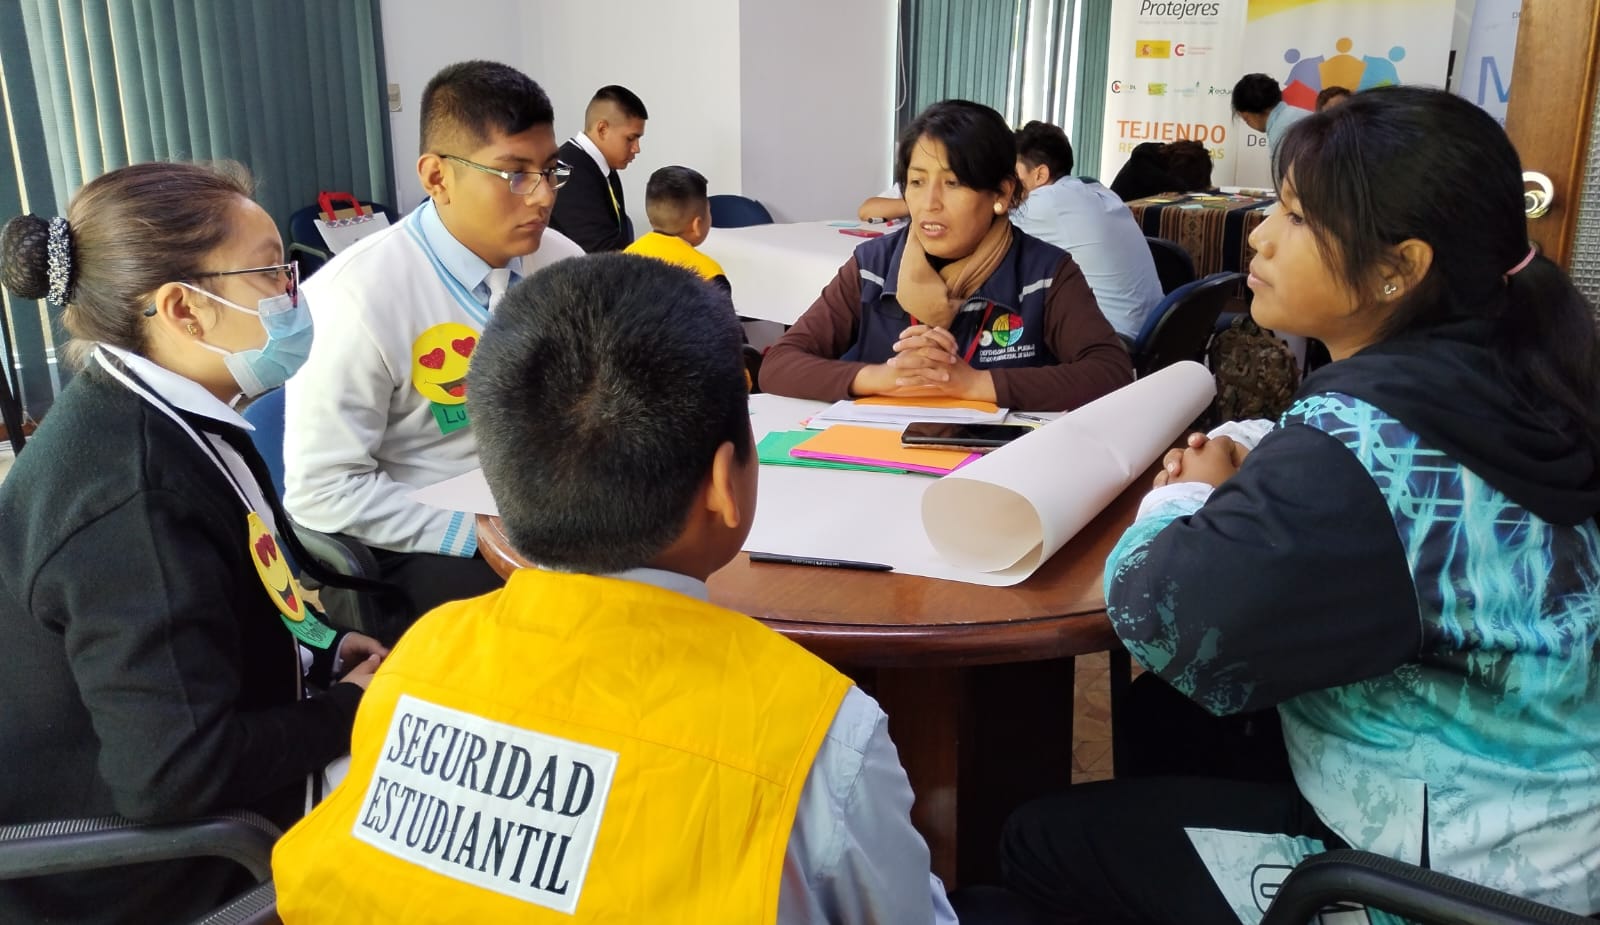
(522,182)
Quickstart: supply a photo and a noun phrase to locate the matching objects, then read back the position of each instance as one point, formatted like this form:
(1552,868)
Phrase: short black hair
(979,143)
(466,103)
(673,196)
(1256,93)
(624,99)
(599,395)
(1043,143)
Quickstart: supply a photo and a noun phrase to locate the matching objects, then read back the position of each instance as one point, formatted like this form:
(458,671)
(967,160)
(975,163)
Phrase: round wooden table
(976,681)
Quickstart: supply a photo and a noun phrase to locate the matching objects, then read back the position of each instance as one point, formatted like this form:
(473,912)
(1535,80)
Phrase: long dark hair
(1399,163)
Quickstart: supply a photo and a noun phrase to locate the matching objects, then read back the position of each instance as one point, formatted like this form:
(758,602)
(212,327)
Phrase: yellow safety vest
(677,251)
(568,749)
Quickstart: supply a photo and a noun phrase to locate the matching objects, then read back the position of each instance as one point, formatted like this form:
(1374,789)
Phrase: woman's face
(1298,289)
(254,242)
(949,219)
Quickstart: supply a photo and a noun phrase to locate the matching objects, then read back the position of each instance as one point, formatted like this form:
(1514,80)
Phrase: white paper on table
(1013,509)
(896,417)
(466,492)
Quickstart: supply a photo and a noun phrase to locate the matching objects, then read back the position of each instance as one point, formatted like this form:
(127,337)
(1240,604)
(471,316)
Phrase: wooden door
(1551,108)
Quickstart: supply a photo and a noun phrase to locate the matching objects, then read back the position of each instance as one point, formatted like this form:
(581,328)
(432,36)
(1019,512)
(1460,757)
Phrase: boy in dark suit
(591,209)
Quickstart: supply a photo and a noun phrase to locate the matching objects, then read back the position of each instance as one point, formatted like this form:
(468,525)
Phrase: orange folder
(874,446)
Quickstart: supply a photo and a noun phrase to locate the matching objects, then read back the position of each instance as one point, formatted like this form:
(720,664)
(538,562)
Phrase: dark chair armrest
(1402,889)
(73,845)
(341,553)
(257,907)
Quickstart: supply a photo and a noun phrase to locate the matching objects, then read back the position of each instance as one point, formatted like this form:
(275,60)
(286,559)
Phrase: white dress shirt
(1092,224)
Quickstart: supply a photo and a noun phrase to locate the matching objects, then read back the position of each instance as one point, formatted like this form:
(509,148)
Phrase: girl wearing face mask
(160,661)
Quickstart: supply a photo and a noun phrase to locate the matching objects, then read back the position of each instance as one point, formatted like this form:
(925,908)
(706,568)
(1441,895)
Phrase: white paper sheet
(993,523)
(896,417)
(1014,508)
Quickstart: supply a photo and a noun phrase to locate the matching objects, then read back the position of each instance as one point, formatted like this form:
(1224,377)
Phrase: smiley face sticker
(282,587)
(439,361)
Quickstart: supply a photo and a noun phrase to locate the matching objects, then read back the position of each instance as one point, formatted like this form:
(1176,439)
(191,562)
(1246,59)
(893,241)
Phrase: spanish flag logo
(1151,48)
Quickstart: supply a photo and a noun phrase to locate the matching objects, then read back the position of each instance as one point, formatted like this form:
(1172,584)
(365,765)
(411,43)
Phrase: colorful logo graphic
(1308,76)
(1006,330)
(439,362)
(1153,48)
(1156,89)
(274,571)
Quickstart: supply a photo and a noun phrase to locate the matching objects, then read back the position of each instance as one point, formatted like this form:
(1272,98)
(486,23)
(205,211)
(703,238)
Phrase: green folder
(774,448)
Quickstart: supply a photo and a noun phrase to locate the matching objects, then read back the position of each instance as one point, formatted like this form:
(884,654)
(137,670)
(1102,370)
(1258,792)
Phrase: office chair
(306,246)
(78,845)
(1181,325)
(334,551)
(1402,889)
(1174,266)
(738,212)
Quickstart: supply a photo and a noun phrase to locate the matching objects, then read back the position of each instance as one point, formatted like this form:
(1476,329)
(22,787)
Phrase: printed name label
(503,808)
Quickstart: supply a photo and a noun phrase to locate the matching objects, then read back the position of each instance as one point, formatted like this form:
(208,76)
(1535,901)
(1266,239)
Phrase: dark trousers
(1116,852)
(424,580)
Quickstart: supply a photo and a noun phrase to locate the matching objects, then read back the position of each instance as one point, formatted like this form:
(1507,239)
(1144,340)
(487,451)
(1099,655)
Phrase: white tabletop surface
(777,271)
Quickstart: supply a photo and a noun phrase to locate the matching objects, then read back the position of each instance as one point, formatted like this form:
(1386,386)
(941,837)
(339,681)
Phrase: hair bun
(25,257)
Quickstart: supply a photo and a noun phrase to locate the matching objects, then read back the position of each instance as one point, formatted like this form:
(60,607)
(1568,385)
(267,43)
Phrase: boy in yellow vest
(596,742)
(679,210)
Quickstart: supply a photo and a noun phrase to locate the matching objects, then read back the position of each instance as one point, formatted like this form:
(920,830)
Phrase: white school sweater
(372,416)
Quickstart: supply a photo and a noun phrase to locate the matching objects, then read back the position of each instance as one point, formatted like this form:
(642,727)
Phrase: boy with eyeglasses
(379,410)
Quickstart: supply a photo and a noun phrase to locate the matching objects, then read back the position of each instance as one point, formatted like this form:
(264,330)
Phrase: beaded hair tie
(60,254)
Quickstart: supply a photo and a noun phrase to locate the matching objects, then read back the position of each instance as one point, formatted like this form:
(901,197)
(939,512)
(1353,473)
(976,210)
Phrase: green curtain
(1094,56)
(956,49)
(293,89)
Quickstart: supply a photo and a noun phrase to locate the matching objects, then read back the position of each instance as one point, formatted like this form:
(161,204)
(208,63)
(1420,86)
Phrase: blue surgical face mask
(287,320)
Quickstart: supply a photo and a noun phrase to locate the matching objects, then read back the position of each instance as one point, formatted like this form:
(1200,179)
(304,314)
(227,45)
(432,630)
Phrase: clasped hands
(1212,460)
(925,362)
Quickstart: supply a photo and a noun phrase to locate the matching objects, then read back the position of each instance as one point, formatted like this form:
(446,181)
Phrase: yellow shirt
(677,251)
(569,748)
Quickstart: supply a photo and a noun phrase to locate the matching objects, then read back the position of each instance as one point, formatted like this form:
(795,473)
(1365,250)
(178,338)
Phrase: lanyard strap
(134,385)
(972,345)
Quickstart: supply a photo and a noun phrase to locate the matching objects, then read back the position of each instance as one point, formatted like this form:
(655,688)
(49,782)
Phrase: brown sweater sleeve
(804,363)
(1093,360)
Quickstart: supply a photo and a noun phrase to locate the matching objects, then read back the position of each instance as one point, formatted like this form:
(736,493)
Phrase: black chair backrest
(1174,266)
(1186,321)
(729,211)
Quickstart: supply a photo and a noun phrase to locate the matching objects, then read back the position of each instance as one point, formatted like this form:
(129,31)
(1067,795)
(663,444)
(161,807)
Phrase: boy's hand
(356,647)
(361,675)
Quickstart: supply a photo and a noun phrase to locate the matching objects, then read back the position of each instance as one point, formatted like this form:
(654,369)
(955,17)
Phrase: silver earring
(1390,289)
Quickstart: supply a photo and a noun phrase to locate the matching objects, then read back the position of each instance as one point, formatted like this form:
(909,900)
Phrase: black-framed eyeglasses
(289,271)
(522,182)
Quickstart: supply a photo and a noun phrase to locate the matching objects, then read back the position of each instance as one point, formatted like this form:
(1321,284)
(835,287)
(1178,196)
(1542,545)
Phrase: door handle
(1537,202)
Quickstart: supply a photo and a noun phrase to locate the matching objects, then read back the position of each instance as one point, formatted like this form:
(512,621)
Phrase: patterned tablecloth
(1214,229)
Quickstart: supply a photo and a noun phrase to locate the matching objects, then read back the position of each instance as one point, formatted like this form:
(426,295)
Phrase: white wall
(818,97)
(417,43)
(680,56)
(773,100)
